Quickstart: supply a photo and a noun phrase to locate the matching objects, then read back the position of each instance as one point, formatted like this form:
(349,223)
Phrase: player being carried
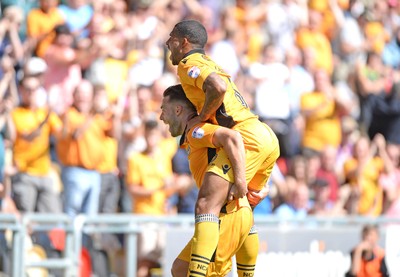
(218,101)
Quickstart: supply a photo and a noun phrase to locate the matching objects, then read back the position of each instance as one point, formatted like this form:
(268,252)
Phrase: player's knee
(202,206)
(179,268)
(209,205)
(173,269)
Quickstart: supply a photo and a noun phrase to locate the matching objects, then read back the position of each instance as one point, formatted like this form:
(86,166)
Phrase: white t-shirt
(271,99)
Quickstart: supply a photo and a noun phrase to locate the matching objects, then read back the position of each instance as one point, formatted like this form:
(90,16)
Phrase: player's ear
(185,42)
(178,109)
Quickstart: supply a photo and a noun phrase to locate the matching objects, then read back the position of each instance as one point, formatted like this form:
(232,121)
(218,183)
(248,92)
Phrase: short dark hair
(176,93)
(368,228)
(193,30)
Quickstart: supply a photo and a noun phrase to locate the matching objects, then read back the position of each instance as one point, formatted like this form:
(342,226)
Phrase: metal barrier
(46,222)
(130,225)
(10,222)
(323,221)
(75,228)
(111,224)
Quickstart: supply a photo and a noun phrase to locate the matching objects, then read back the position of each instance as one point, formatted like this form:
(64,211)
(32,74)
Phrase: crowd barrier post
(11,222)
(45,222)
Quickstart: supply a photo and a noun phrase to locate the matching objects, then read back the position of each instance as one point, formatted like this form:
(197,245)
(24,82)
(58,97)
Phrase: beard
(175,130)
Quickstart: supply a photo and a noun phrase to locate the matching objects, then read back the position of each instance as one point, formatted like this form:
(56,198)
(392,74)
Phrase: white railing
(130,225)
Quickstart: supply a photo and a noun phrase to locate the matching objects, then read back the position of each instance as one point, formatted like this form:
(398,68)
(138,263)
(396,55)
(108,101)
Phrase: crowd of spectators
(81,85)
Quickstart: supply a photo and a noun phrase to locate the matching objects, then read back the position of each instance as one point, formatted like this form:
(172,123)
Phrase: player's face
(174,45)
(169,117)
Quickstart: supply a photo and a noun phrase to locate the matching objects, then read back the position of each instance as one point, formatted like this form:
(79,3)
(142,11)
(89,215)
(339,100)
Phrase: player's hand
(380,142)
(364,245)
(237,191)
(256,197)
(6,106)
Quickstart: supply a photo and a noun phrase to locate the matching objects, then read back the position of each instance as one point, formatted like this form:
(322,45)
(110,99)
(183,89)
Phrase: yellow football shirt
(193,70)
(202,153)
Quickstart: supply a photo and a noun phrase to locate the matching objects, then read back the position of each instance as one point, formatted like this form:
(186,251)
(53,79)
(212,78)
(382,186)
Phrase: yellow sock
(205,241)
(246,257)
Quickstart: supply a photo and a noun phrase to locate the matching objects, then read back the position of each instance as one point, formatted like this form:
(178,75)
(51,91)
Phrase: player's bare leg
(179,268)
(212,196)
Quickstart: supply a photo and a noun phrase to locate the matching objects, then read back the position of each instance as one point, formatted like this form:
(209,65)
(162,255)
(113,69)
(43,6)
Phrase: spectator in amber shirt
(32,187)
(322,109)
(80,150)
(110,189)
(149,190)
(41,23)
(390,180)
(362,172)
(311,37)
